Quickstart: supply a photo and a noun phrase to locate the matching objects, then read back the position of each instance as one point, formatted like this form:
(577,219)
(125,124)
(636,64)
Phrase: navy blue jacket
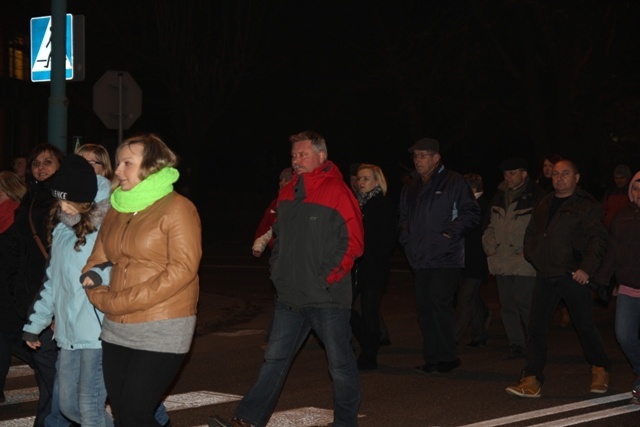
(429,212)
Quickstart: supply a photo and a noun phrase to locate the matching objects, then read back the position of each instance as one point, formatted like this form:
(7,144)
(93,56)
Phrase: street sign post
(117,100)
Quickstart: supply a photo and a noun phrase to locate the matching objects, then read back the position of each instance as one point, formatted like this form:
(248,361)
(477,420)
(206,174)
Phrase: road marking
(551,411)
(19,371)
(174,402)
(591,416)
(20,396)
(195,399)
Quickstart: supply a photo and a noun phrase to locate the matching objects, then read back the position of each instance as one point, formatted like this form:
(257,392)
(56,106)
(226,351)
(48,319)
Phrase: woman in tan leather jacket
(152,240)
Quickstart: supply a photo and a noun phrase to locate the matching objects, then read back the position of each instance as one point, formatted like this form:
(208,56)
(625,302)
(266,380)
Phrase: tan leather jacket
(155,254)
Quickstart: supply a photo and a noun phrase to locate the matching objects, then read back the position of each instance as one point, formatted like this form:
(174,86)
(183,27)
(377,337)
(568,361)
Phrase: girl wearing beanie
(81,203)
(151,238)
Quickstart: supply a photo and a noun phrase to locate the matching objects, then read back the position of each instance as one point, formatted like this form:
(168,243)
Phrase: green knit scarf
(145,193)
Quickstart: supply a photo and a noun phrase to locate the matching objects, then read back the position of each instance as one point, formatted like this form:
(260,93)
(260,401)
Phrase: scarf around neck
(149,190)
(363,198)
(7,213)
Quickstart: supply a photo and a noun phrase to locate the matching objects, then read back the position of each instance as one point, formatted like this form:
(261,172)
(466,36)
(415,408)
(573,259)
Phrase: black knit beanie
(75,181)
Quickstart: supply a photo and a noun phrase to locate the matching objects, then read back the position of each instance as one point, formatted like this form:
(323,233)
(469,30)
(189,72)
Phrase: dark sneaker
(2,398)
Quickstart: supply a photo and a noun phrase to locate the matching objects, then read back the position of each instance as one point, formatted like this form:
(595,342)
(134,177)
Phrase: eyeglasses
(94,162)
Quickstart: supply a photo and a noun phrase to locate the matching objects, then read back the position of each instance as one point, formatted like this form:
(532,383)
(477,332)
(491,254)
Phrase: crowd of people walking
(99,270)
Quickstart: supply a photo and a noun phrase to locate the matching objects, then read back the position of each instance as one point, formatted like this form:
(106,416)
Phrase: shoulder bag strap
(45,254)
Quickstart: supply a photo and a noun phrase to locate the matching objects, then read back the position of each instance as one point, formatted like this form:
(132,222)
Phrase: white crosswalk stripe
(299,417)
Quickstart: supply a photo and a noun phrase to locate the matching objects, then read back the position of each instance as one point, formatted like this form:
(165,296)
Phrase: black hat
(426,144)
(513,164)
(75,181)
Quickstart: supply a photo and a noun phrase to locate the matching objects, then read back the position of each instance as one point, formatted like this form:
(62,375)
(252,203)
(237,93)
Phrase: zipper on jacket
(124,285)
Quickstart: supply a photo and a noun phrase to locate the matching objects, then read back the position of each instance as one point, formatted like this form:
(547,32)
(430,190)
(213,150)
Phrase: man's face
(304,158)
(514,178)
(425,161)
(564,178)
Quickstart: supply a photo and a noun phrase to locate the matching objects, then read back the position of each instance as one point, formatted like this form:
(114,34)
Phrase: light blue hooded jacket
(77,322)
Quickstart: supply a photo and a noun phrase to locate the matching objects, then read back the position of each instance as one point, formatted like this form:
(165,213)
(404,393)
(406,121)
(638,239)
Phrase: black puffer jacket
(574,239)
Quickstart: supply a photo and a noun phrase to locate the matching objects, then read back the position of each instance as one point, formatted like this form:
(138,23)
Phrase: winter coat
(78,323)
(428,211)
(31,262)
(574,239)
(503,239)
(155,254)
(379,220)
(319,235)
(622,260)
(10,322)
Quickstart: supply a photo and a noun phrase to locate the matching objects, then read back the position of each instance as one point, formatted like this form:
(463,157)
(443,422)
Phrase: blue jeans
(548,291)
(82,392)
(627,327)
(291,326)
(435,289)
(55,417)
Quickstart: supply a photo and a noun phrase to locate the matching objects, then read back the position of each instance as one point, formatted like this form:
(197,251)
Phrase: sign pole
(120,109)
(57,129)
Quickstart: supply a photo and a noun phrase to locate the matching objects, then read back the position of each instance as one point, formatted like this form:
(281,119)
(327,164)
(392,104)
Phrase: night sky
(226,82)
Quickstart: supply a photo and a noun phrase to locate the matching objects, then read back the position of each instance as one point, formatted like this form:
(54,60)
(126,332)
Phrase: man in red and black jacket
(319,235)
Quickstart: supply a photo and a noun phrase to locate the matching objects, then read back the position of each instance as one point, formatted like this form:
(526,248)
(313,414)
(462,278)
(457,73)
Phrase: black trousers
(136,381)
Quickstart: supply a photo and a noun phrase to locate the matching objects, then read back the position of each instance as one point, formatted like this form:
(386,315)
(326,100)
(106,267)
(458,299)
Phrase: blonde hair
(101,155)
(377,174)
(155,153)
(12,185)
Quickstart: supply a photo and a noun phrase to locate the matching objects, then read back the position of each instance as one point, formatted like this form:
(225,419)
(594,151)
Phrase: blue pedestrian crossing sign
(41,49)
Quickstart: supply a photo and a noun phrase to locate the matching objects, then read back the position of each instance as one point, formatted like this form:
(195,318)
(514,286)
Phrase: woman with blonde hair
(98,157)
(371,271)
(150,300)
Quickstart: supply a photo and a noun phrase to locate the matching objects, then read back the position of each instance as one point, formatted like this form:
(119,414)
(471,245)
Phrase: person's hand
(87,282)
(33,344)
(257,253)
(580,276)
